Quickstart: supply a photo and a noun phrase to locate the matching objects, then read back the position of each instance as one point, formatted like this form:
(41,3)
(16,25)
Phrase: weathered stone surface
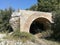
(24,18)
(15,21)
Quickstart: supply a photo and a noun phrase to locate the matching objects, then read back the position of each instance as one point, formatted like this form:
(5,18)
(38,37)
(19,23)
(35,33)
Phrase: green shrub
(23,36)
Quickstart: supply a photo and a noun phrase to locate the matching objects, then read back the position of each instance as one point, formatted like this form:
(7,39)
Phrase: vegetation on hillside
(23,36)
(5,16)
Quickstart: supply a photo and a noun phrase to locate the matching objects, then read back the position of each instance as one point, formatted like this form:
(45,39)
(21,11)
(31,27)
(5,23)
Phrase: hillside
(24,39)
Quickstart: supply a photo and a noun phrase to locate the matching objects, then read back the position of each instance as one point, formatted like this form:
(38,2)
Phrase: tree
(56,26)
(4,19)
(48,5)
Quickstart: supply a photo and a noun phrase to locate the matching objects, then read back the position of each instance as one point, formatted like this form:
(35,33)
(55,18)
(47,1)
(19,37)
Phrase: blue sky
(21,4)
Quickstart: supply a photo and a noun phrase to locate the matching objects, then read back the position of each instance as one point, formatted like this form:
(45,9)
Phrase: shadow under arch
(39,25)
(9,29)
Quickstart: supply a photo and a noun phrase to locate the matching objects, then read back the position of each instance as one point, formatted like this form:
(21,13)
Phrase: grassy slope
(26,36)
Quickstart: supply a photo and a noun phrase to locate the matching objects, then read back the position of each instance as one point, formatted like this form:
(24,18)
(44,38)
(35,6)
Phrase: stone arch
(39,25)
(33,17)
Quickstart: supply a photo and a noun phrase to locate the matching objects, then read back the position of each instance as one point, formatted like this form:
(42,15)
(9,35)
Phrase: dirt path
(46,42)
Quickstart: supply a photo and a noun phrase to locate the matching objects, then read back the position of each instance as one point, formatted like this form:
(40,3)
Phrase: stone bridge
(31,21)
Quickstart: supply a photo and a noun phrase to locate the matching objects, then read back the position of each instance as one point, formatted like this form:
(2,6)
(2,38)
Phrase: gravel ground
(19,42)
(2,35)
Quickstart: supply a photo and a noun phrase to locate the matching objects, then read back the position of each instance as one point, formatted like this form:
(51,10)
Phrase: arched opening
(39,25)
(9,29)
(36,27)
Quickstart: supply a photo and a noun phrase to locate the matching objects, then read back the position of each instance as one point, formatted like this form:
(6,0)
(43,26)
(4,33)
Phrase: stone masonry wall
(22,19)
